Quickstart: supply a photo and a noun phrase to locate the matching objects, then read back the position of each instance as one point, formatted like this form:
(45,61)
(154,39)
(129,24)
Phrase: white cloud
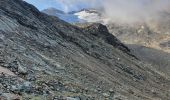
(123,10)
(76,4)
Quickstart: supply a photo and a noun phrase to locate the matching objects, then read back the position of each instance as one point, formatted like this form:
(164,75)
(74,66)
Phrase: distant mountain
(82,16)
(52,11)
(68,17)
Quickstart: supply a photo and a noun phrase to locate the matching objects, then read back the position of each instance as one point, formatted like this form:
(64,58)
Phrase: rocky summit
(45,58)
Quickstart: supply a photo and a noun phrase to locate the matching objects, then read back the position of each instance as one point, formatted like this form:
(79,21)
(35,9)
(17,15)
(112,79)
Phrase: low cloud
(130,11)
(125,11)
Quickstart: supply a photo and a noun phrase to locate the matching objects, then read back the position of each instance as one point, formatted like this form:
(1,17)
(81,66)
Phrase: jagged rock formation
(44,57)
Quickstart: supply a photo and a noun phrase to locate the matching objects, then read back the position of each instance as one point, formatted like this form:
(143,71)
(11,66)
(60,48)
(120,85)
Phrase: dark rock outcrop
(102,32)
(165,44)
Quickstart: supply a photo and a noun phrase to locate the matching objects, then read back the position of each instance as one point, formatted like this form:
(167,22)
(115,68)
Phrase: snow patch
(89,17)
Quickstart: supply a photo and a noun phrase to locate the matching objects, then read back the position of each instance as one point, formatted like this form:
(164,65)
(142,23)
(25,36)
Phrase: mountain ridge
(151,34)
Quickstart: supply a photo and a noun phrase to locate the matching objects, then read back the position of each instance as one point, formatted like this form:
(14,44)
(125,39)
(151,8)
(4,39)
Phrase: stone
(9,96)
(71,98)
(111,90)
(106,95)
(21,69)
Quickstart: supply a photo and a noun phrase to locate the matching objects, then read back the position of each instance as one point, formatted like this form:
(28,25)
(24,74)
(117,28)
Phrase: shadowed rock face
(53,59)
(101,31)
(159,59)
(165,44)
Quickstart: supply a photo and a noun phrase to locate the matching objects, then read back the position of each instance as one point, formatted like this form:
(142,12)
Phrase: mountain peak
(52,11)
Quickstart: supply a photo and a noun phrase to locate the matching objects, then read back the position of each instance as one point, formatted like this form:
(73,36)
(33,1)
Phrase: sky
(43,4)
(64,5)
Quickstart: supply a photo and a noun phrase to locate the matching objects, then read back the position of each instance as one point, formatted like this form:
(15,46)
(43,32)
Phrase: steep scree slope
(47,58)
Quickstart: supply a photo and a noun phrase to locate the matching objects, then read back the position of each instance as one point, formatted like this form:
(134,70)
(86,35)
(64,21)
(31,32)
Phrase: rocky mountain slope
(150,41)
(148,44)
(159,59)
(45,58)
